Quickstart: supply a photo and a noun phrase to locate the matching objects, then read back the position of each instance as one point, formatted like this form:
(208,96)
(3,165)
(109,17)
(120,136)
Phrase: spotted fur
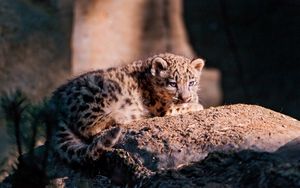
(94,106)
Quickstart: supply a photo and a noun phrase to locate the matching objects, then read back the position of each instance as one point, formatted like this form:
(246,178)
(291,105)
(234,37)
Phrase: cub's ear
(159,65)
(198,64)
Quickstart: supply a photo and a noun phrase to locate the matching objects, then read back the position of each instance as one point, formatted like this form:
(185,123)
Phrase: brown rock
(170,142)
(236,137)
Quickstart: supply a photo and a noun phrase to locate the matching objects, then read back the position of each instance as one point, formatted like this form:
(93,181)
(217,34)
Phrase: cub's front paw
(184,108)
(197,107)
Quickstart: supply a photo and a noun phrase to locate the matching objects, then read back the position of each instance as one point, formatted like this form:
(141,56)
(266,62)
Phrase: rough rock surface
(241,169)
(173,141)
(238,138)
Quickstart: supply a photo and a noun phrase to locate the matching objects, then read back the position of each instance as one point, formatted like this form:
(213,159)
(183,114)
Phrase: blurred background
(251,48)
(256,46)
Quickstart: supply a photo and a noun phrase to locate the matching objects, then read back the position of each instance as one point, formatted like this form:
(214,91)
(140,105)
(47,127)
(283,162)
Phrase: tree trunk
(107,33)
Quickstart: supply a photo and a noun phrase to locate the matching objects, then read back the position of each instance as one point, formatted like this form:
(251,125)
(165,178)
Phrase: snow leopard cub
(93,106)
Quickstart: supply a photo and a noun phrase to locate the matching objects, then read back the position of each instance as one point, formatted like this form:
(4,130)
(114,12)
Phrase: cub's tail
(72,148)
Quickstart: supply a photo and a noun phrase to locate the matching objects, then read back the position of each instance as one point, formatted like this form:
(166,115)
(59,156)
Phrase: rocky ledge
(227,146)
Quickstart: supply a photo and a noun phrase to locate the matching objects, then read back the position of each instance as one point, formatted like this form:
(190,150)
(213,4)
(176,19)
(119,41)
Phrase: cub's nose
(185,98)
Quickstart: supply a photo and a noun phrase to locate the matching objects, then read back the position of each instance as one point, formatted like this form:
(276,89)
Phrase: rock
(236,169)
(169,142)
(242,143)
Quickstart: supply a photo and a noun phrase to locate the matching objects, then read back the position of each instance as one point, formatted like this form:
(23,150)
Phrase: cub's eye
(192,83)
(172,84)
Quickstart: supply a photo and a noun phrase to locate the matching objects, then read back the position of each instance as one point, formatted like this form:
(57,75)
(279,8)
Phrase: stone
(238,144)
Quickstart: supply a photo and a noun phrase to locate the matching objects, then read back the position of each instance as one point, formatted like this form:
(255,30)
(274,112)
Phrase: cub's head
(175,78)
